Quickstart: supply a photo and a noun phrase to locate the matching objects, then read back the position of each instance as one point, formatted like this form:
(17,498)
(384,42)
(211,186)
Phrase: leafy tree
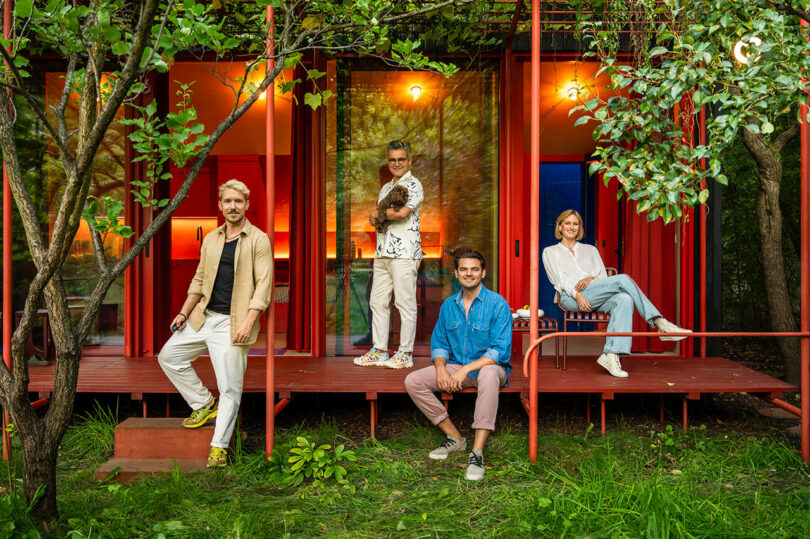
(109,48)
(683,61)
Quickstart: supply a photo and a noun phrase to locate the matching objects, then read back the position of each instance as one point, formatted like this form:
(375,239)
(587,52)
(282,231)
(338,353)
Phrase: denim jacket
(486,331)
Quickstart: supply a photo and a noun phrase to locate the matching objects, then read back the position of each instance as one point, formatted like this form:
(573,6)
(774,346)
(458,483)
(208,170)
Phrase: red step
(129,469)
(162,437)
(152,445)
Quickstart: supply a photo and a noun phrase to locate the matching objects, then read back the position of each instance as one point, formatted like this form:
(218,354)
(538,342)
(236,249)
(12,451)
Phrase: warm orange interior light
(416,91)
(187,234)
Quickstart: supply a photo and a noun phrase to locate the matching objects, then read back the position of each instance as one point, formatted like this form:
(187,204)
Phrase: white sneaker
(475,467)
(613,365)
(665,326)
(449,446)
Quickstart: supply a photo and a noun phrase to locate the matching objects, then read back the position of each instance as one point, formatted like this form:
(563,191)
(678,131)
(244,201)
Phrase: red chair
(545,324)
(577,316)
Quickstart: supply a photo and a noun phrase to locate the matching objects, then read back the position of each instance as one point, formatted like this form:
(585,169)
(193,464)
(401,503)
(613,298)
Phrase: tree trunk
(769,220)
(41,436)
(39,476)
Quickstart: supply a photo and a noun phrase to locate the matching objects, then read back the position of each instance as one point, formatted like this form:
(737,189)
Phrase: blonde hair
(565,215)
(236,185)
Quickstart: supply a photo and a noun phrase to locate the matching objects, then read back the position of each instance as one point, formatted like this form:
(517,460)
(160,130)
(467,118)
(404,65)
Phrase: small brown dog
(396,198)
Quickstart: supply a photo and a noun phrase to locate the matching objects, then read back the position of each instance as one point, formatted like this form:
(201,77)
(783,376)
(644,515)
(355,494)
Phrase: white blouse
(565,270)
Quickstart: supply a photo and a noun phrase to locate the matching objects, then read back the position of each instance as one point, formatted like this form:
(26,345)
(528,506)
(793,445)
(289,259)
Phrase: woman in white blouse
(578,274)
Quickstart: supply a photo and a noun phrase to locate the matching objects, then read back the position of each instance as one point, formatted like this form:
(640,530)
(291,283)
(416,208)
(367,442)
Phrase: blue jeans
(617,296)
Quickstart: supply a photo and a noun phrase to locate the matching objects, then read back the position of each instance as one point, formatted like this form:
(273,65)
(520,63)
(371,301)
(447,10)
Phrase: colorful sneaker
(372,358)
(200,417)
(218,457)
(400,360)
(665,326)
(449,446)
(475,466)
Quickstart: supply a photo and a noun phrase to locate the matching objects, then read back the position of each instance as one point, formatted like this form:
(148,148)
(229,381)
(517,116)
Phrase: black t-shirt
(223,284)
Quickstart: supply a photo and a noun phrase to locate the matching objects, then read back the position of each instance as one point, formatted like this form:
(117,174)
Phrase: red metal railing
(530,371)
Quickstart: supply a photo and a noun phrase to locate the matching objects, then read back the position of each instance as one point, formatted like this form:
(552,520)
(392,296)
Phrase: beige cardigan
(252,276)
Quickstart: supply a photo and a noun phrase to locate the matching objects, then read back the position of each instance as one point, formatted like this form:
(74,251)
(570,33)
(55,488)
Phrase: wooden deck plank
(656,374)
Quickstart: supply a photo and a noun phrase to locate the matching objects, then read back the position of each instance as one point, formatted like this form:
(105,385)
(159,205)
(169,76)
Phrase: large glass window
(452,125)
(80,272)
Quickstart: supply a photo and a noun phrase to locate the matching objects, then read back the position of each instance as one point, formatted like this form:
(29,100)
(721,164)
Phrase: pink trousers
(422,386)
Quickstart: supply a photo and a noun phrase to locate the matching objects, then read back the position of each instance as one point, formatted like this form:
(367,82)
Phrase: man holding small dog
(396,263)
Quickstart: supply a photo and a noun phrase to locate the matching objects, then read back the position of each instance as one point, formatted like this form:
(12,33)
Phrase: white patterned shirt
(565,270)
(402,240)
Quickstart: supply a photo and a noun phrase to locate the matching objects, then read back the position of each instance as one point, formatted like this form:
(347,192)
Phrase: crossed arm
(390,215)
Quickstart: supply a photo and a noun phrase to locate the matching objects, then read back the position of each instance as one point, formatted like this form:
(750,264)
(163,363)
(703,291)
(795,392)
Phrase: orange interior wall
(213,101)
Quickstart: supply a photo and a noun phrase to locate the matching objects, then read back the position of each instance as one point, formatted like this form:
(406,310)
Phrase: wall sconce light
(741,53)
(416,91)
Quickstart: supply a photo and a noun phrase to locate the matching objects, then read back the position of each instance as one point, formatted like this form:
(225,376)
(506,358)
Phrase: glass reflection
(452,125)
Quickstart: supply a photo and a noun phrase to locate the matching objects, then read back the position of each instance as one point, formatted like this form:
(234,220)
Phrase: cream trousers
(229,362)
(397,275)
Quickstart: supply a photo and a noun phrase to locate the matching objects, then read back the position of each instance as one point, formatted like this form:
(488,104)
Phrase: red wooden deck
(648,374)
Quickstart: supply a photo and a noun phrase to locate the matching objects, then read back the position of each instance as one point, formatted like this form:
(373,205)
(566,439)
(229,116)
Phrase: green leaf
(767,128)
(313,100)
(582,120)
(23,8)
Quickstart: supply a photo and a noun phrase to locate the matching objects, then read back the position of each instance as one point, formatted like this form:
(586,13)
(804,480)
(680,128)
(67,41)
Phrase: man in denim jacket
(470,347)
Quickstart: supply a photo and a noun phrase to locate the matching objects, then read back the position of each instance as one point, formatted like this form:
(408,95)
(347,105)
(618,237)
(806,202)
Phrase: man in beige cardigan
(229,291)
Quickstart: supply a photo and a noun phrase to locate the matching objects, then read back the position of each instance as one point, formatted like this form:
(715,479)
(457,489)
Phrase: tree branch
(121,87)
(30,99)
(163,22)
(785,137)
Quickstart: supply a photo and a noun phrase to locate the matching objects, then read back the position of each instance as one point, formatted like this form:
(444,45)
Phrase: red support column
(534,252)
(7,284)
(317,209)
(805,282)
(270,201)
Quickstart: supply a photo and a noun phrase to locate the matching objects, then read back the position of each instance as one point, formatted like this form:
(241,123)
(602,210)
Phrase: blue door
(563,186)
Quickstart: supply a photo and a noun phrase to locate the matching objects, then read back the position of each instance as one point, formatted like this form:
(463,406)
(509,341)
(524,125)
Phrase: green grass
(629,483)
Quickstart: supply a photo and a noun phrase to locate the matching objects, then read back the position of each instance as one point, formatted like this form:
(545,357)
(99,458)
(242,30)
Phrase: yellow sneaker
(200,417)
(218,457)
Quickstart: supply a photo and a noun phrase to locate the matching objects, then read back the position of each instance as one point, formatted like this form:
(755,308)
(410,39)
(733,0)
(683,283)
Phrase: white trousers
(229,362)
(397,275)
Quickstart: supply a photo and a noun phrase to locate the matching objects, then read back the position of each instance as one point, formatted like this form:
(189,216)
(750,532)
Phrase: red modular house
(499,158)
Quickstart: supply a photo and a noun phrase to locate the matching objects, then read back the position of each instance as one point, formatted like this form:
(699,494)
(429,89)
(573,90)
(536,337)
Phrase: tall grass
(660,483)
(92,436)
(656,483)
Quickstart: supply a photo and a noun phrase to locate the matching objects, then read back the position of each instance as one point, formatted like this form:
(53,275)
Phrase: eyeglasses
(399,160)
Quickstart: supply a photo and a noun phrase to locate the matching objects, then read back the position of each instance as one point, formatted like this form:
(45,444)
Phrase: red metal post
(805,280)
(7,284)
(317,197)
(534,251)
(270,201)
